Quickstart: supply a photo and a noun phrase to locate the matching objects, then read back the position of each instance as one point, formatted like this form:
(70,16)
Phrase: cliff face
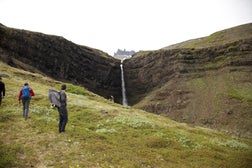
(203,86)
(204,82)
(61,59)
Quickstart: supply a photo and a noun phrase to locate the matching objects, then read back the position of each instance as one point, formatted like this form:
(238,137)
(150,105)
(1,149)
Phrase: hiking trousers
(26,104)
(63,118)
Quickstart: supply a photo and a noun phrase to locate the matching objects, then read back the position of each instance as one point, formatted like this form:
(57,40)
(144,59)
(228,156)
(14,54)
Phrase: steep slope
(203,82)
(103,134)
(219,38)
(207,86)
(61,59)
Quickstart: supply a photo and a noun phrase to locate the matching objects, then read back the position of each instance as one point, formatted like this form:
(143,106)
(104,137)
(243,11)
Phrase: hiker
(63,115)
(2,90)
(25,95)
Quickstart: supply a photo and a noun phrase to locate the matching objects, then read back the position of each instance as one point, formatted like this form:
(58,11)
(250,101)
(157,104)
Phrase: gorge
(205,82)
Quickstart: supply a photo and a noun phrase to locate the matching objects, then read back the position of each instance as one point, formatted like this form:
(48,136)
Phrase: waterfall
(124,98)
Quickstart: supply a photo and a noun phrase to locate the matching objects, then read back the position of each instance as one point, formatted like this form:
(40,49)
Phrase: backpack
(54,97)
(26,93)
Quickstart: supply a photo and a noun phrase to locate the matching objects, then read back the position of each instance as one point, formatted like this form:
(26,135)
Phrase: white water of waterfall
(124,98)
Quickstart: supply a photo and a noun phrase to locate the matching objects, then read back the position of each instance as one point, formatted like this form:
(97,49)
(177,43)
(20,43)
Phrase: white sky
(126,24)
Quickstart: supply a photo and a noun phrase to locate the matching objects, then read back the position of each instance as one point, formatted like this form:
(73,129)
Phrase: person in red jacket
(25,95)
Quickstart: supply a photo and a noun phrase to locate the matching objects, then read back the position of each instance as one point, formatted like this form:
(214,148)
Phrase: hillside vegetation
(218,38)
(61,59)
(207,82)
(103,134)
(204,82)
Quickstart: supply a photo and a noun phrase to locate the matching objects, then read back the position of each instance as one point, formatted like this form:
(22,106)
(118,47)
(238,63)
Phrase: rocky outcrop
(61,59)
(121,54)
(124,52)
(148,70)
(196,86)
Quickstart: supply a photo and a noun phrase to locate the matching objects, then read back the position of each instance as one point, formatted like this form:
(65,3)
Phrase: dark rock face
(148,70)
(62,60)
(195,86)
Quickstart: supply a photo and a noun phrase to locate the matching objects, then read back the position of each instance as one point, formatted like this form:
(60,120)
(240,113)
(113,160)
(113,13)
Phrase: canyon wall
(61,59)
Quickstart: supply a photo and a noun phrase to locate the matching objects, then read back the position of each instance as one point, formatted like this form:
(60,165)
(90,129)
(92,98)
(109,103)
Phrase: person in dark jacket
(2,90)
(63,114)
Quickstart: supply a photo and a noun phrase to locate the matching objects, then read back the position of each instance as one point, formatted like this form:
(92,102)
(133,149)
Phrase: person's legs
(63,119)
(64,122)
(26,104)
(60,122)
(23,102)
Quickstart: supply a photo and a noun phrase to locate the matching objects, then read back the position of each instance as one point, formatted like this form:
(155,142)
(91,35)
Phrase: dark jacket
(63,98)
(2,89)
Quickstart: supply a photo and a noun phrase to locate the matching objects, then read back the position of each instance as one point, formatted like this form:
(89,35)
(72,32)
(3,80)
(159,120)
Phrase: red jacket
(20,94)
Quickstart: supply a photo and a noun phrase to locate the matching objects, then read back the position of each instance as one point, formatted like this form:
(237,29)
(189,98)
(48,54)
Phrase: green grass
(242,94)
(104,134)
(218,38)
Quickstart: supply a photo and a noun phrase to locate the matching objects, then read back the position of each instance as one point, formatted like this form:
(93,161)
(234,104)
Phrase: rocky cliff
(207,86)
(61,59)
(204,82)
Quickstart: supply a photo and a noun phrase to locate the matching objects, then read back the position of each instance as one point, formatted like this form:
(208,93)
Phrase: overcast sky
(126,24)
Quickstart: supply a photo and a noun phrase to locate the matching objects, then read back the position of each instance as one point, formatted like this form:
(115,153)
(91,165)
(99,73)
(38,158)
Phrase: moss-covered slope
(206,83)
(103,134)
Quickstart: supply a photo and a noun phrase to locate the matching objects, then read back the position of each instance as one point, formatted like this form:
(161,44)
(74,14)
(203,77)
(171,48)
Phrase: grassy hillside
(221,99)
(103,134)
(204,82)
(219,38)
